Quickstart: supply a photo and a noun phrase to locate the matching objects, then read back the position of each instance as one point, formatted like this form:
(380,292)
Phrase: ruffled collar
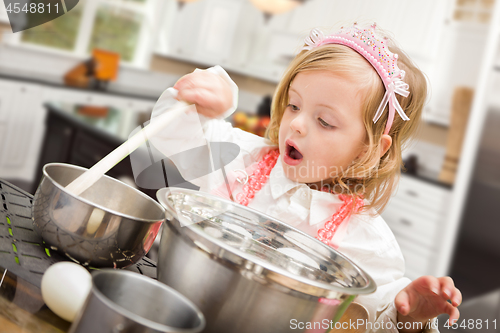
(302,200)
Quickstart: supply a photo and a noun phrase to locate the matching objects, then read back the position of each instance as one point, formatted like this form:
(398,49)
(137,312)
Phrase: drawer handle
(406,222)
(412,193)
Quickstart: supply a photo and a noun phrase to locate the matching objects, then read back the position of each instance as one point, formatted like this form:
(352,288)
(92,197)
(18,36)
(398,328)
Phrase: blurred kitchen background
(74,88)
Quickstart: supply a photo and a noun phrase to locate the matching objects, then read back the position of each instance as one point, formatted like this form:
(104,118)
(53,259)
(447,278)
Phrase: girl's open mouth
(292,154)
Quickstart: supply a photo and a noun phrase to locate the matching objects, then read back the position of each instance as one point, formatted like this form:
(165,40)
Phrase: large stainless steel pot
(109,225)
(248,272)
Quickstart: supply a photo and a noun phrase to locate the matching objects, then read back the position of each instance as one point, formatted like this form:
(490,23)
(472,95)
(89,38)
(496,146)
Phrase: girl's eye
(293,107)
(324,123)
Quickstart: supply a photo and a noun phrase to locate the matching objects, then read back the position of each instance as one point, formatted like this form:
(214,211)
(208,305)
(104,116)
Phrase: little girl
(341,114)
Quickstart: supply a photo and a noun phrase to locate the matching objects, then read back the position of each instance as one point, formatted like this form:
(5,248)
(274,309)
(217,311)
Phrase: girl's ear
(385,144)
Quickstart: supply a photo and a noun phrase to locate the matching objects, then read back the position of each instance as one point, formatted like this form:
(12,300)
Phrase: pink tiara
(375,50)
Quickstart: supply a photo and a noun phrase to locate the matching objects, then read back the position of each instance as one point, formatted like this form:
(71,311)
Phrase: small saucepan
(109,225)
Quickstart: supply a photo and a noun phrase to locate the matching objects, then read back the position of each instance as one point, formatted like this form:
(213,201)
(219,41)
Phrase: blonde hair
(377,175)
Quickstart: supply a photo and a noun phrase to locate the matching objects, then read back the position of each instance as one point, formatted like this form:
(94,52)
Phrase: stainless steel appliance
(476,263)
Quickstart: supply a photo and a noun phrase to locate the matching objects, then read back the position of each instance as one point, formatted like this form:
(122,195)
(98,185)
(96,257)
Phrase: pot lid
(261,247)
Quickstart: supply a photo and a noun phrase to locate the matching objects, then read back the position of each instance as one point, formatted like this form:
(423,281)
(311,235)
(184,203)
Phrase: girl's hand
(426,298)
(208,91)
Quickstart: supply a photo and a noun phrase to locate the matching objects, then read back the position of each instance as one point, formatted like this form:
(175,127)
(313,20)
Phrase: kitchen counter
(54,82)
(116,124)
(22,309)
(425,178)
(29,64)
(423,161)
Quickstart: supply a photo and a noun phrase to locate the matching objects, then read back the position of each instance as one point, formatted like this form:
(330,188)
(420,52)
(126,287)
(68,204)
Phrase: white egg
(65,286)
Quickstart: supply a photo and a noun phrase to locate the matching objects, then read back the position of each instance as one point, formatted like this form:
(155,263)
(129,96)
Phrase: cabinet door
(3,142)
(4,18)
(6,100)
(24,133)
(217,30)
(184,32)
(416,25)
(313,14)
(418,259)
(203,32)
(417,215)
(57,144)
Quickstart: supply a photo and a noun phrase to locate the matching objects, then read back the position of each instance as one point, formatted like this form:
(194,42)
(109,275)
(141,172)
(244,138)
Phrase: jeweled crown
(375,49)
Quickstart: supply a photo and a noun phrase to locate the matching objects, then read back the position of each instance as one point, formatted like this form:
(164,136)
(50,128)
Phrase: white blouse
(364,238)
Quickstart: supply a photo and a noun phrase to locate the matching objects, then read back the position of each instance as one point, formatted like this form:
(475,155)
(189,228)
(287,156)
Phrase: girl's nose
(298,124)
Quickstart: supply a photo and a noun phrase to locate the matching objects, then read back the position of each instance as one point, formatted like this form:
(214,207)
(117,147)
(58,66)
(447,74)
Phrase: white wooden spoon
(89,177)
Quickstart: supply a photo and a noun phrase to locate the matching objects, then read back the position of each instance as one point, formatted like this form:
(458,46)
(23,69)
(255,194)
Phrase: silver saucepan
(248,272)
(125,302)
(109,225)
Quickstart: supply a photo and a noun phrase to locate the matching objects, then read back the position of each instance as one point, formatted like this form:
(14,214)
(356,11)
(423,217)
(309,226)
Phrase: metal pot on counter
(248,272)
(109,225)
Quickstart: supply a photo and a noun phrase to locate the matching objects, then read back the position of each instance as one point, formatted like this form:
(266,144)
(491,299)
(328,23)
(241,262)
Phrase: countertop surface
(32,64)
(22,308)
(115,123)
(56,82)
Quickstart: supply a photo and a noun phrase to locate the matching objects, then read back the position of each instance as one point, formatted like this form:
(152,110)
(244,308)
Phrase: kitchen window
(123,26)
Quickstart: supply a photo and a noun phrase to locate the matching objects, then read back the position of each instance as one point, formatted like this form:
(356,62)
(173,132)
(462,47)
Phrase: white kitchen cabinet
(4,18)
(230,33)
(461,44)
(6,99)
(3,139)
(419,37)
(22,125)
(22,134)
(418,258)
(203,31)
(312,14)
(233,33)
(416,25)
(184,30)
(217,30)
(417,215)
